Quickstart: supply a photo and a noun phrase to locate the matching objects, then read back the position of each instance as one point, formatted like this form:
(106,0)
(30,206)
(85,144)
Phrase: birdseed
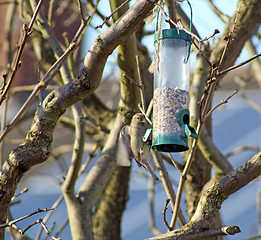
(168,102)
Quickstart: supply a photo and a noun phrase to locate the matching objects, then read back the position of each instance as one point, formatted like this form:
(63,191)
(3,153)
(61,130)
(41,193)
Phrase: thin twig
(108,17)
(91,5)
(29,226)
(9,224)
(147,118)
(220,104)
(225,18)
(142,92)
(174,163)
(203,105)
(3,125)
(29,88)
(85,22)
(48,215)
(19,194)
(251,103)
(27,30)
(183,179)
(164,214)
(47,231)
(50,11)
(51,230)
(241,149)
(131,80)
(200,52)
(91,155)
(238,65)
(208,93)
(9,30)
(216,31)
(81,10)
(257,237)
(62,227)
(168,186)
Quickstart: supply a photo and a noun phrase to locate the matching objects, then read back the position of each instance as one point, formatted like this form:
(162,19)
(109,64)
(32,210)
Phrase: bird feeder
(171,92)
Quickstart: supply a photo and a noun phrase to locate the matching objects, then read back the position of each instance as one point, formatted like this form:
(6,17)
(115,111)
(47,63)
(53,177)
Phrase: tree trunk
(108,214)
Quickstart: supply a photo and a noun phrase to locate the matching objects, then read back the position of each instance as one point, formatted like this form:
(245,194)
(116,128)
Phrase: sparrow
(131,144)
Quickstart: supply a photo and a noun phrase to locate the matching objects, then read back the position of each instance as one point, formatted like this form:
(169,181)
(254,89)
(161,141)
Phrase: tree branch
(212,199)
(27,30)
(168,186)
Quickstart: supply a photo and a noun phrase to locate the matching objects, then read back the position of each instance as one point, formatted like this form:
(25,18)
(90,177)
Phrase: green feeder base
(170,142)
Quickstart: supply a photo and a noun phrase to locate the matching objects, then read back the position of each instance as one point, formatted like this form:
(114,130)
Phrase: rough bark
(107,218)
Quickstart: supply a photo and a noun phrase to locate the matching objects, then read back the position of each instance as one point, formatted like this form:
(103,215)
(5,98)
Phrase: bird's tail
(147,166)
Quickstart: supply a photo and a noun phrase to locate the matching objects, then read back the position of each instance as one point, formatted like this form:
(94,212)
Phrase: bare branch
(164,214)
(9,224)
(108,17)
(239,65)
(20,193)
(220,104)
(175,164)
(29,226)
(47,231)
(226,186)
(207,208)
(27,30)
(168,186)
(78,150)
(241,149)
(142,92)
(48,215)
(132,81)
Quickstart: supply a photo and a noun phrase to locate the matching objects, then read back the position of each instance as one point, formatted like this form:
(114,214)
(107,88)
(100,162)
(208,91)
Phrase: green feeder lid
(172,33)
(165,143)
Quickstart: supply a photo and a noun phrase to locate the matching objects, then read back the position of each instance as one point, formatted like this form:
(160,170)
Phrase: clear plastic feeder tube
(171,91)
